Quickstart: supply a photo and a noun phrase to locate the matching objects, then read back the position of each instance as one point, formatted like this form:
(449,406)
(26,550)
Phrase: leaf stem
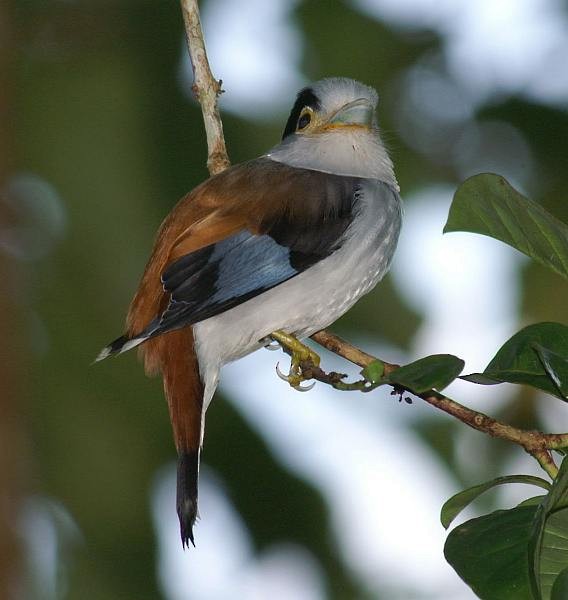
(545,460)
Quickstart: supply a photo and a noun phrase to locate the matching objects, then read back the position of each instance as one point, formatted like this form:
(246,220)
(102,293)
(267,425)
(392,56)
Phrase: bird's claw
(295,379)
(282,376)
(300,354)
(303,388)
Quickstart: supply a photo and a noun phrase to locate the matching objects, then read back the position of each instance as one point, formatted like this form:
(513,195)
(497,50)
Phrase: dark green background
(92,105)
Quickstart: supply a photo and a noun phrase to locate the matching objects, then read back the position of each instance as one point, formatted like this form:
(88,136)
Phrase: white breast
(313,299)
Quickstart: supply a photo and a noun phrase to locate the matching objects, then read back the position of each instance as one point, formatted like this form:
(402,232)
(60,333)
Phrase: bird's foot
(300,355)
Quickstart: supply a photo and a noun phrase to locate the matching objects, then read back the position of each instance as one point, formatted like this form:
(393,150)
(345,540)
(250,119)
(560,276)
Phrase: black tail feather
(187,475)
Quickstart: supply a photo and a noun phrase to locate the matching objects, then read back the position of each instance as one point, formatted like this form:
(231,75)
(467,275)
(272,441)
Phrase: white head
(333,128)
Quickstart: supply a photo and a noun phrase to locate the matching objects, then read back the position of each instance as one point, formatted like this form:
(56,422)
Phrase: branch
(206,88)
(537,443)
(207,91)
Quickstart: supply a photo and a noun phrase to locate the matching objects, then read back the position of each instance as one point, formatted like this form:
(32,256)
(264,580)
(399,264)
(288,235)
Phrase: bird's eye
(304,120)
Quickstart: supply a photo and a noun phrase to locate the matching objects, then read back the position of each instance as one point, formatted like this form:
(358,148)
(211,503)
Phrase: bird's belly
(313,299)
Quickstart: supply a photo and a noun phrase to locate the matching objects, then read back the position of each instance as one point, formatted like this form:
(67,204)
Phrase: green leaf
(457,503)
(490,553)
(534,356)
(430,373)
(489,205)
(548,549)
(556,367)
(560,587)
(534,501)
(374,371)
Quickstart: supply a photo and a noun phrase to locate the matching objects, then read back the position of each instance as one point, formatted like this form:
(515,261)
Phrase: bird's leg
(299,353)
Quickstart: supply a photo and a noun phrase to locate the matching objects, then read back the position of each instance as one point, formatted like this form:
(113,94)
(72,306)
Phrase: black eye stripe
(305,98)
(304,120)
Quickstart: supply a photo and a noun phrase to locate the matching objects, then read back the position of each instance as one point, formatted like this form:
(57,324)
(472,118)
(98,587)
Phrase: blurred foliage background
(99,138)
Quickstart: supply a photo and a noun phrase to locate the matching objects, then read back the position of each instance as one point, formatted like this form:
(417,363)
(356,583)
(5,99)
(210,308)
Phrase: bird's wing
(239,234)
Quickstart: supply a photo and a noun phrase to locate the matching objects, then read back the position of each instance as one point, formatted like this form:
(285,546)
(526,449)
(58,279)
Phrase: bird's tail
(173,353)
(184,392)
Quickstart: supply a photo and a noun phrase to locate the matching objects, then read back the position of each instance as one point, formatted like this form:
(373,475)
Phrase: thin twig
(207,90)
(537,443)
(339,346)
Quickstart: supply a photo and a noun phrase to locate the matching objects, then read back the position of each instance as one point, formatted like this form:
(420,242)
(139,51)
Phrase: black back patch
(306,97)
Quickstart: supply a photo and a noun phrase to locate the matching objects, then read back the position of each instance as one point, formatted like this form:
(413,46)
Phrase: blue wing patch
(247,263)
(216,278)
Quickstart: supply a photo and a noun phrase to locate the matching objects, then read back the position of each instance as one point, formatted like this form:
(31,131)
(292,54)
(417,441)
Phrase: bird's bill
(358,113)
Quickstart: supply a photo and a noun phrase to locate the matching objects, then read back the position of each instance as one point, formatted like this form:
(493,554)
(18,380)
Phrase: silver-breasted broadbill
(285,242)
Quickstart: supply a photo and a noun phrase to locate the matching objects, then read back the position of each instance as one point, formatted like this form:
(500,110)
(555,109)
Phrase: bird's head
(332,104)
(333,128)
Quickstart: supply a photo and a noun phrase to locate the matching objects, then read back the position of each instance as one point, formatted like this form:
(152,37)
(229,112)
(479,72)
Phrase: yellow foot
(300,353)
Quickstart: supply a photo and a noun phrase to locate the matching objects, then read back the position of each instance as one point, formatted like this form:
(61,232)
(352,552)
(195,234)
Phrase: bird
(275,248)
